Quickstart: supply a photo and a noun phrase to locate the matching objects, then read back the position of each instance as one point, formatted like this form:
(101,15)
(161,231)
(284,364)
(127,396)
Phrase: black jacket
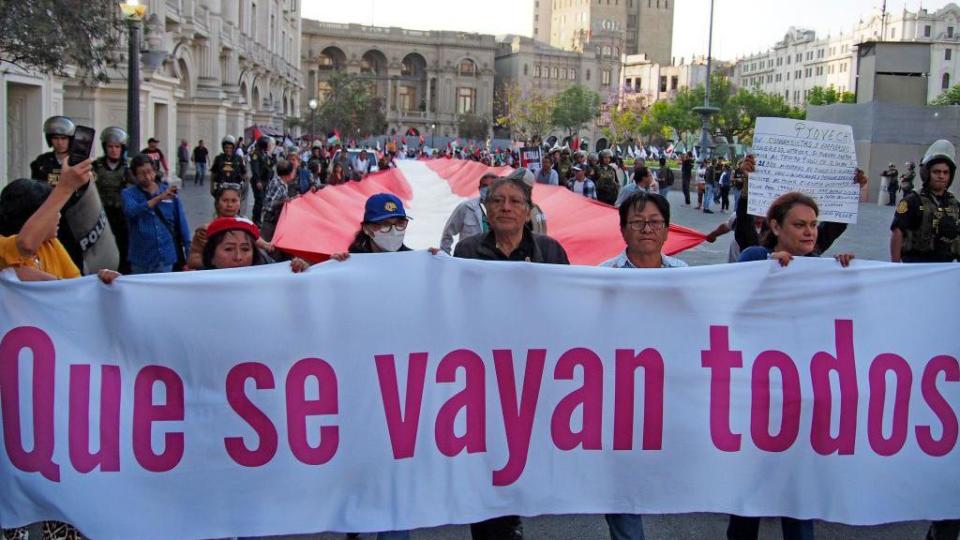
(533,248)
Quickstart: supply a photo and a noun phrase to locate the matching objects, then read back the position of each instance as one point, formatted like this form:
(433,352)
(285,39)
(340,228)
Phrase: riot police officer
(563,166)
(262,165)
(906,179)
(84,230)
(891,175)
(926,226)
(228,168)
(112,173)
(608,184)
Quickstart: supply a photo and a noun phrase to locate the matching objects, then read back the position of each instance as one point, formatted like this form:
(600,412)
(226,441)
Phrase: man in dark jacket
(508,203)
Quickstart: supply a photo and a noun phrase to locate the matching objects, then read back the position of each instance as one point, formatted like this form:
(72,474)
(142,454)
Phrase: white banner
(408,390)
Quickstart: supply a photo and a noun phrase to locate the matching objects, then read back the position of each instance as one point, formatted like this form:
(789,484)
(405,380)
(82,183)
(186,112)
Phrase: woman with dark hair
(231,242)
(336,176)
(383,228)
(227,204)
(29,216)
(793,230)
(382,231)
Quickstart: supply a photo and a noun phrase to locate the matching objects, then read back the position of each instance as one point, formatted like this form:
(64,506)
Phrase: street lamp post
(433,130)
(313,104)
(705,112)
(133,12)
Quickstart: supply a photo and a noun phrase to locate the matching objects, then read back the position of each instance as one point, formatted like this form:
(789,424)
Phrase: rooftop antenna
(883,21)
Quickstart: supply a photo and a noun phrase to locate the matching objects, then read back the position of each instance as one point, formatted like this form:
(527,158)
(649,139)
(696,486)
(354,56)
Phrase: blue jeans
(160,268)
(201,173)
(665,190)
(625,526)
(708,197)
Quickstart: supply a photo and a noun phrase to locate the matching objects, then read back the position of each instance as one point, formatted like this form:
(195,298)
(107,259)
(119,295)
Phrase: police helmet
(593,157)
(228,140)
(580,154)
(941,151)
(317,144)
(606,153)
(114,135)
(264,142)
(58,125)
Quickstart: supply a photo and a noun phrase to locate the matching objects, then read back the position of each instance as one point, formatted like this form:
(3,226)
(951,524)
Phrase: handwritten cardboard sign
(815,158)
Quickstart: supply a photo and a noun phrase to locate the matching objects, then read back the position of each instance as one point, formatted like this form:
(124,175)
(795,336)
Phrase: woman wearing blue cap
(384,226)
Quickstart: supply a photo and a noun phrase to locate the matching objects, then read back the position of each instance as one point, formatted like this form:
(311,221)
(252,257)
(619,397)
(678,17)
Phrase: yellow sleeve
(9,252)
(57,261)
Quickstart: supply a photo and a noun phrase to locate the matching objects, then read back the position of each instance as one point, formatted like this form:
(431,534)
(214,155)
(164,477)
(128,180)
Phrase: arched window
(467,68)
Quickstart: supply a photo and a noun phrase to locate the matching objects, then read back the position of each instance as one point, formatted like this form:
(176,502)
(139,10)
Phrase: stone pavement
(868,239)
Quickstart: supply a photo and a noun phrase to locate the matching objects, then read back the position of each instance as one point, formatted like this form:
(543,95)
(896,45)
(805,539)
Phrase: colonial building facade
(209,68)
(537,67)
(427,79)
(801,61)
(645,82)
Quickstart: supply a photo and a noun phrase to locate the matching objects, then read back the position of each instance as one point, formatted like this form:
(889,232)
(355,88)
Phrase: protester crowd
(122,213)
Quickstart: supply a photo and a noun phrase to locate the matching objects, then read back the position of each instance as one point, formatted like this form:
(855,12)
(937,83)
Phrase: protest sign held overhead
(814,158)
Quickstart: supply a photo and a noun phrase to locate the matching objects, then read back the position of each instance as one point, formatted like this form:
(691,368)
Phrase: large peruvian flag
(319,224)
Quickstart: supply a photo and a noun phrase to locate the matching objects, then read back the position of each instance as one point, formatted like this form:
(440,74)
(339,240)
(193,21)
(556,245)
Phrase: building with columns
(427,79)
(209,68)
(801,61)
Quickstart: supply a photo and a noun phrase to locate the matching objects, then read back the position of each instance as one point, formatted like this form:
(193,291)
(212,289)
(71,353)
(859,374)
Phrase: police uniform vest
(84,229)
(110,182)
(261,167)
(564,167)
(607,185)
(227,170)
(939,231)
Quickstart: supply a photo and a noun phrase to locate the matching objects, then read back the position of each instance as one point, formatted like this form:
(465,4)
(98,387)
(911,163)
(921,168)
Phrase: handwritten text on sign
(815,158)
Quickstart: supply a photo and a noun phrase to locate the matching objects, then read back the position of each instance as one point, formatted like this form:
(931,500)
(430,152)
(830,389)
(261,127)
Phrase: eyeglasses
(640,225)
(386,227)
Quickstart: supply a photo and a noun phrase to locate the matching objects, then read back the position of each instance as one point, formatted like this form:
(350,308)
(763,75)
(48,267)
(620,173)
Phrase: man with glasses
(509,205)
(644,220)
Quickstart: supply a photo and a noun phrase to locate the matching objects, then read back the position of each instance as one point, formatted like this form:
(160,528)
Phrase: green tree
(575,107)
(527,115)
(828,96)
(51,35)
(674,115)
(623,123)
(473,126)
(951,96)
(352,106)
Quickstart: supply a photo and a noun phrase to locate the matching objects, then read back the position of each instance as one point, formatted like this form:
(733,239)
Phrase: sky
(741,27)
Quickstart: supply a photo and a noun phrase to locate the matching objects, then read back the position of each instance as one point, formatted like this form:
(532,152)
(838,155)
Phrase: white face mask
(389,241)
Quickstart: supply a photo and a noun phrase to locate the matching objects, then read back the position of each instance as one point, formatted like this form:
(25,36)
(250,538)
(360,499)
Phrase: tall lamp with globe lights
(133,13)
(313,104)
